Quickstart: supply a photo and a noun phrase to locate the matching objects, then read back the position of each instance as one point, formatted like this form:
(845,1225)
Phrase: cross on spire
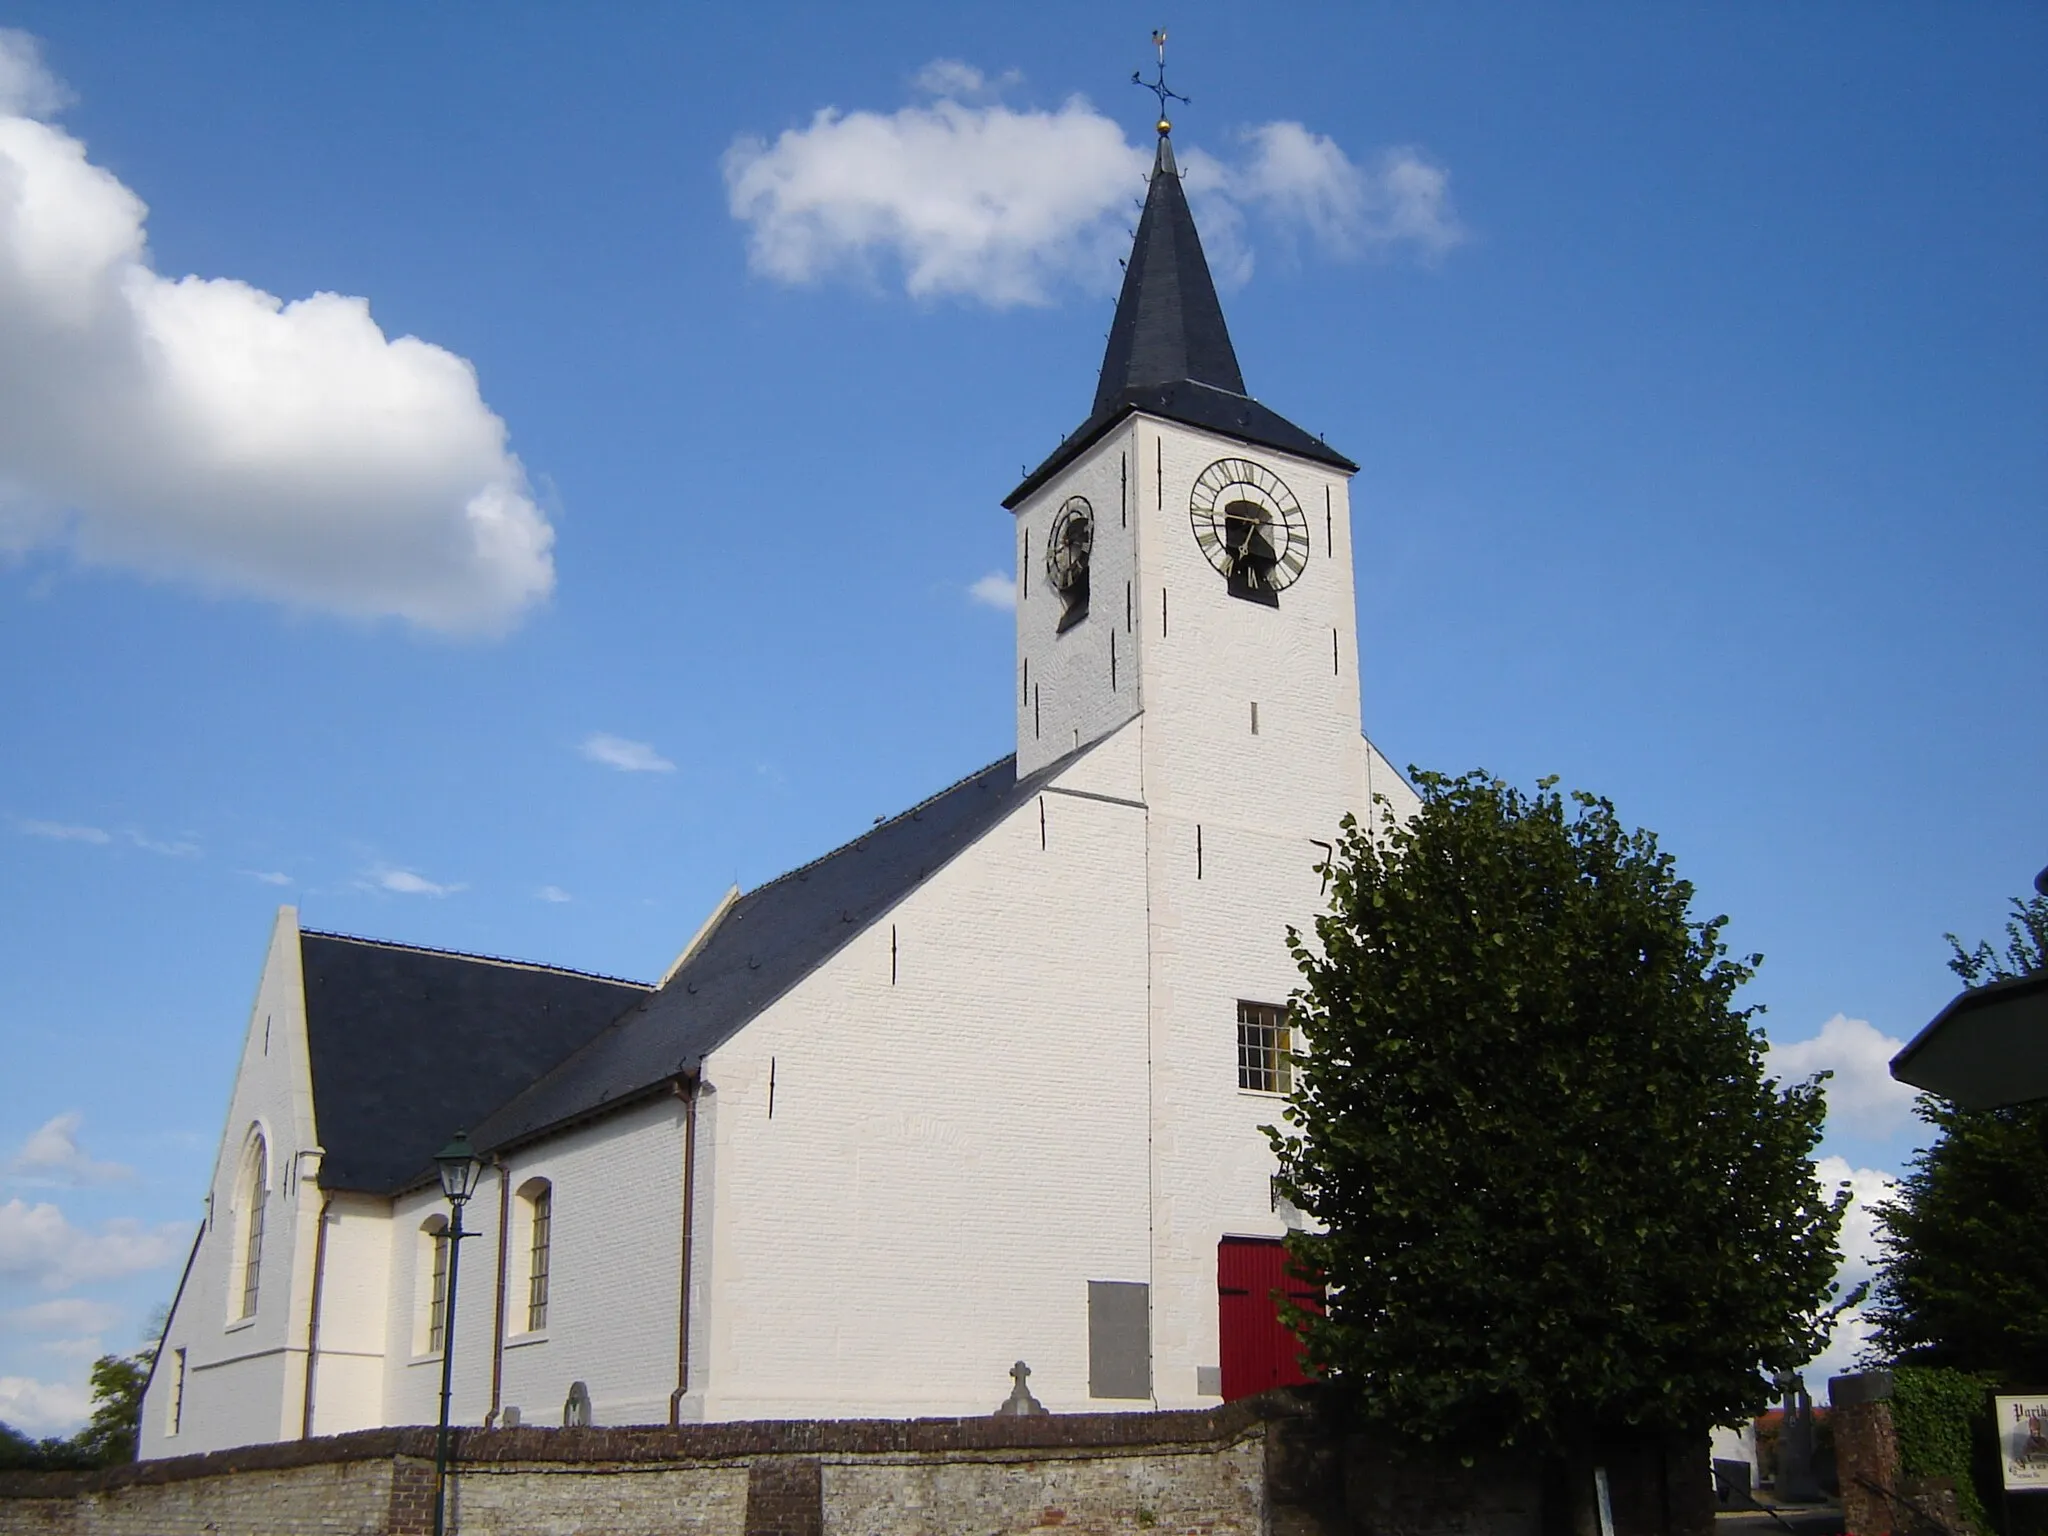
(1159,87)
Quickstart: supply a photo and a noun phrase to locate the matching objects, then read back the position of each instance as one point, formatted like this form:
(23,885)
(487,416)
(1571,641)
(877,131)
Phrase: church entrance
(1258,1350)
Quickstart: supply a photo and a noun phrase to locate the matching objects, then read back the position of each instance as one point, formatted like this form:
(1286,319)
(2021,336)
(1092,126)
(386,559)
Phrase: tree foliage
(107,1438)
(1963,1277)
(1562,1199)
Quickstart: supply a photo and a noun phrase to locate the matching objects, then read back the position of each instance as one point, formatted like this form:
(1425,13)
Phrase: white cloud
(552,893)
(996,591)
(202,429)
(268,876)
(1868,1187)
(42,1407)
(978,200)
(27,88)
(405,882)
(66,1314)
(961,81)
(1864,1098)
(86,1347)
(65,832)
(39,1244)
(52,1155)
(1303,180)
(171,850)
(626,756)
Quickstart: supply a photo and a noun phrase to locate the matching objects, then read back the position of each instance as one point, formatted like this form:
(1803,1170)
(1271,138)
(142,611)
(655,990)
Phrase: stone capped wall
(1280,1465)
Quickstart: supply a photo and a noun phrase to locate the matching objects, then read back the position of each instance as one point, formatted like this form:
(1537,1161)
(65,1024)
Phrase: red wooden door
(1258,1350)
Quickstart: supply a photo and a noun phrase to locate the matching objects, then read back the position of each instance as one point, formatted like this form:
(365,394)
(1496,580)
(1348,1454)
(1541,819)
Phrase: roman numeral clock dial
(1250,527)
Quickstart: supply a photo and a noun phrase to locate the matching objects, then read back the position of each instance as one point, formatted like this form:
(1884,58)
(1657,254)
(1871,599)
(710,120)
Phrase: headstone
(1020,1401)
(1796,1482)
(576,1411)
(1731,1484)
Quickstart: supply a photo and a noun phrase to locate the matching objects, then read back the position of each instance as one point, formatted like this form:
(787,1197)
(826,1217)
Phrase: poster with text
(2023,1441)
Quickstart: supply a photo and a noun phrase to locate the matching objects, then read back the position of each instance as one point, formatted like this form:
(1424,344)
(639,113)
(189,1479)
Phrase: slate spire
(1169,323)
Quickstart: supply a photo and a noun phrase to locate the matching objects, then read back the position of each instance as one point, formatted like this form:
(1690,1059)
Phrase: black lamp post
(460,1170)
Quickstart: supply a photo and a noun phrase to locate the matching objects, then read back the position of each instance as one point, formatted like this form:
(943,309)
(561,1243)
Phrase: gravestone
(1796,1481)
(1020,1400)
(576,1411)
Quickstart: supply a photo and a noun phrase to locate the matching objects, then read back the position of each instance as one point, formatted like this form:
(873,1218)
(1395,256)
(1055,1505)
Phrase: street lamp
(460,1170)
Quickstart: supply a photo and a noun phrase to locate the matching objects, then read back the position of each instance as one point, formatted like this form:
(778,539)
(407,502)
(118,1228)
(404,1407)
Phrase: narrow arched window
(436,1234)
(255,1197)
(540,1219)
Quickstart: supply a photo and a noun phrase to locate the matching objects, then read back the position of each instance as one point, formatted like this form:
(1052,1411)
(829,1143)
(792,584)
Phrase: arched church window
(434,1244)
(539,1197)
(253,1195)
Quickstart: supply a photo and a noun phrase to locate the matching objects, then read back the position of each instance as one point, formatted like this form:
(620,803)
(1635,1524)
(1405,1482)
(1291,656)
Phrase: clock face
(1250,527)
(1067,549)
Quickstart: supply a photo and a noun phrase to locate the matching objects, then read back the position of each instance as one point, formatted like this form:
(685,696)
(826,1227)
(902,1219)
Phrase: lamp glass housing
(460,1169)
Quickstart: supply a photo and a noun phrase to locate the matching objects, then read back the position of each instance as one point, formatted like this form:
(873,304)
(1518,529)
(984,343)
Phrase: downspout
(685,1087)
(313,1313)
(498,1327)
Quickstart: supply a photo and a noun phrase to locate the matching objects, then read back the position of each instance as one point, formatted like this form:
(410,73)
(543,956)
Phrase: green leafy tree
(1562,1199)
(108,1437)
(1963,1275)
(117,1383)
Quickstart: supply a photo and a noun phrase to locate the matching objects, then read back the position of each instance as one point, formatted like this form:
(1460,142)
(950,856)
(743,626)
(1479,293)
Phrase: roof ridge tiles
(464,954)
(851,843)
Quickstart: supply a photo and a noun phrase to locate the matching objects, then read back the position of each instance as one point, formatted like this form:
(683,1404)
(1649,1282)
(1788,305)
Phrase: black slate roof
(769,940)
(410,1045)
(1169,322)
(1169,351)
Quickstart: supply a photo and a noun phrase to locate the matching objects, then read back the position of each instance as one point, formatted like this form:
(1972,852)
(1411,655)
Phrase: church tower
(1186,554)
(1186,606)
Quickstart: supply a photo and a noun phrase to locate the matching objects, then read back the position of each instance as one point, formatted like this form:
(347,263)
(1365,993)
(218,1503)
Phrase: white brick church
(983,1085)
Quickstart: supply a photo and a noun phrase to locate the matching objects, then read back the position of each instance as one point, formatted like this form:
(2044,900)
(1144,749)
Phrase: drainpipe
(498,1327)
(685,1087)
(313,1314)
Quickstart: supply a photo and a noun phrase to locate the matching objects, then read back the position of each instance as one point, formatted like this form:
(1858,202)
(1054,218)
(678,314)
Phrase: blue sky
(1696,356)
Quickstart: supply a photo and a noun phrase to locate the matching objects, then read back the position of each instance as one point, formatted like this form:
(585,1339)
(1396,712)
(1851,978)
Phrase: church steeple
(1169,353)
(1169,323)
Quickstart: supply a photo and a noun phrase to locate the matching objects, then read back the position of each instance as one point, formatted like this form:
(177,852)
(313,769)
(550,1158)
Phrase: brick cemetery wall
(1269,1465)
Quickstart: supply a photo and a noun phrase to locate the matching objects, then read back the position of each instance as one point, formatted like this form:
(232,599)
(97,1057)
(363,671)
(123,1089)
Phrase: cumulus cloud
(1304,182)
(37,1243)
(65,832)
(52,1155)
(553,893)
(27,88)
(42,1407)
(406,882)
(176,848)
(977,200)
(995,590)
(204,430)
(1863,1097)
(1868,1188)
(961,81)
(65,1314)
(626,756)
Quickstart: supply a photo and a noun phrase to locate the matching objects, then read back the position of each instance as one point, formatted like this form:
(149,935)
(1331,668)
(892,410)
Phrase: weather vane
(1159,87)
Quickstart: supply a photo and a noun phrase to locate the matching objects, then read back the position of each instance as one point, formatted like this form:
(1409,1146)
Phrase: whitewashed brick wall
(244,1378)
